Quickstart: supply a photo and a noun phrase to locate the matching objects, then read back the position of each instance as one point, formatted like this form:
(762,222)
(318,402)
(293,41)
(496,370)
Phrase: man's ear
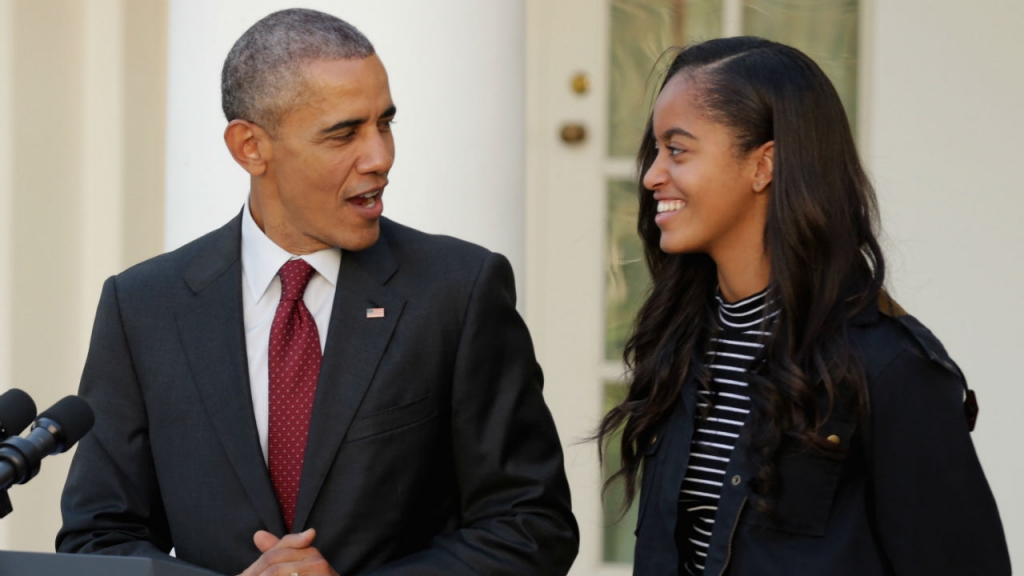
(249,145)
(765,156)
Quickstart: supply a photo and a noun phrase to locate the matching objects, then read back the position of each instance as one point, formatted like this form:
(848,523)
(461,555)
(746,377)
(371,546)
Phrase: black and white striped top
(730,357)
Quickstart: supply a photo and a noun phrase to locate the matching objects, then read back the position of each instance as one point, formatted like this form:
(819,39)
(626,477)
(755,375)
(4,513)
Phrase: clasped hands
(293,554)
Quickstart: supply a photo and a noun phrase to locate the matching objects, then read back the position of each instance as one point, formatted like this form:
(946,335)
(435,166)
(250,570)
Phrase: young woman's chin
(678,244)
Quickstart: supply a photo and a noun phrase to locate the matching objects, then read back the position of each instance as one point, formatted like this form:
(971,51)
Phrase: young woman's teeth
(670,205)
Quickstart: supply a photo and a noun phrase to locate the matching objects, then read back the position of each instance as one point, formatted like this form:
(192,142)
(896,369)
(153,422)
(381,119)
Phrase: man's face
(329,159)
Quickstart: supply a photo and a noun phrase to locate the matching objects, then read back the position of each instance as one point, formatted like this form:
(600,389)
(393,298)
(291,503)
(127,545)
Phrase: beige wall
(943,131)
(82,107)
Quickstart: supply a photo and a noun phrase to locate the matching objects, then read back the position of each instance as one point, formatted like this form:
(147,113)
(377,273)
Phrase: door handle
(573,133)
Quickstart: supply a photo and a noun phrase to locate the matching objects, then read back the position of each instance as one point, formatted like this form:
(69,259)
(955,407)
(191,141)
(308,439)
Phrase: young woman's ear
(764,155)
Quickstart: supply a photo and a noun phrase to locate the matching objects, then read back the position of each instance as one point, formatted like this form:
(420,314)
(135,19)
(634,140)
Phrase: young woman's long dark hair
(820,235)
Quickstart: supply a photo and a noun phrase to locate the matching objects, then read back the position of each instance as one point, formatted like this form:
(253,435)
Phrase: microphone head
(74,418)
(17,410)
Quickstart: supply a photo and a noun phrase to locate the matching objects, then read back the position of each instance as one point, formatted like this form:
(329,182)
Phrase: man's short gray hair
(262,73)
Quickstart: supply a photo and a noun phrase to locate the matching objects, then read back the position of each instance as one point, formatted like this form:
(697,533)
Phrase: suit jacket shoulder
(439,253)
(198,262)
(435,269)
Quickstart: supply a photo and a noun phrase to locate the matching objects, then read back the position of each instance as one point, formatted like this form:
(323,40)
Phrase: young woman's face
(710,197)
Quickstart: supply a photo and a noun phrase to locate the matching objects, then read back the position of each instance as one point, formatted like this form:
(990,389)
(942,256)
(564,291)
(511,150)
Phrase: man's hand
(293,554)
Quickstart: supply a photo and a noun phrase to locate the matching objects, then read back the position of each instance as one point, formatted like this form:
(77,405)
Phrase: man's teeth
(370,198)
(670,205)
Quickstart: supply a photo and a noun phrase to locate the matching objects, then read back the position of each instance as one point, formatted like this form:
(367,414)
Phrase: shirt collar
(262,258)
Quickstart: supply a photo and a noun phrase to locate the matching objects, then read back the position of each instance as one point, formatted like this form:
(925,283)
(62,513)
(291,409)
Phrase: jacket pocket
(391,419)
(809,481)
(647,475)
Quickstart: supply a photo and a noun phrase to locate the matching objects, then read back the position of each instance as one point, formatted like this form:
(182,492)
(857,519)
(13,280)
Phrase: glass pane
(825,30)
(641,31)
(628,279)
(618,528)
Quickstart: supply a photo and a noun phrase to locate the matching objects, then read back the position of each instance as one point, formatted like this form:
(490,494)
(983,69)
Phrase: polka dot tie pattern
(294,365)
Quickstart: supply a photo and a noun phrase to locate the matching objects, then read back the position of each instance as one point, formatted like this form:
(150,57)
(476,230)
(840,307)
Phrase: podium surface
(39,564)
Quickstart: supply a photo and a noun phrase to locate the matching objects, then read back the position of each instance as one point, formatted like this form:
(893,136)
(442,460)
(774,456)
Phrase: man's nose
(379,154)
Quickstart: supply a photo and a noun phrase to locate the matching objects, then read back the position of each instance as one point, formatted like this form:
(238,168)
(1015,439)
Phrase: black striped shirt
(730,357)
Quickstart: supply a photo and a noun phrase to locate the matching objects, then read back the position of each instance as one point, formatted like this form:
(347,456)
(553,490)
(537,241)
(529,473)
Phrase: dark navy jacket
(908,497)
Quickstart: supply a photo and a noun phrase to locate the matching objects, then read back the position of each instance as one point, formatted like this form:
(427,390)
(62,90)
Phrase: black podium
(37,564)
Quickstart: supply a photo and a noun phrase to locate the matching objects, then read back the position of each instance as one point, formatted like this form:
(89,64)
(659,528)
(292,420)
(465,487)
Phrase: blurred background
(518,122)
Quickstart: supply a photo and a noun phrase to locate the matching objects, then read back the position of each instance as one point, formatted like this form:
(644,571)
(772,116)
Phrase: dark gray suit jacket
(430,450)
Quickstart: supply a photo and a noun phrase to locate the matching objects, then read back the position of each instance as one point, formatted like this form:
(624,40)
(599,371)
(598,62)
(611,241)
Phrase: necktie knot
(295,275)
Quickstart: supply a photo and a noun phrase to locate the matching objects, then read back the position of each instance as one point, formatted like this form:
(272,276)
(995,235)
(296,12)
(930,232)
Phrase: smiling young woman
(784,416)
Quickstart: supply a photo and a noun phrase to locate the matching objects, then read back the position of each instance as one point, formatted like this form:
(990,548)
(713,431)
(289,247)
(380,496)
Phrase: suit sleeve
(111,503)
(516,513)
(934,509)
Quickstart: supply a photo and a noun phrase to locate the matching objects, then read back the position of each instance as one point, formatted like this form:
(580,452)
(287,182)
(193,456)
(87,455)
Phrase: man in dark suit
(313,389)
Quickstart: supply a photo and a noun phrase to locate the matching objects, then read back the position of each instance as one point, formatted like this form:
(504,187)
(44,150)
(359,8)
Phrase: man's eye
(385,126)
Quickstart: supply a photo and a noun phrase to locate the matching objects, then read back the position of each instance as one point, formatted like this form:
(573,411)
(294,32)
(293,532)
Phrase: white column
(456,69)
(64,131)
(102,154)
(6,201)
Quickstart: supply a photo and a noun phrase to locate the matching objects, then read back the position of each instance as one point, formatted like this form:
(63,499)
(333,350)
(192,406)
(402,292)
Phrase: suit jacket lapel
(213,336)
(354,347)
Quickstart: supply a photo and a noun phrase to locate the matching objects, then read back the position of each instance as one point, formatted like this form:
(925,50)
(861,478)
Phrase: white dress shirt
(261,292)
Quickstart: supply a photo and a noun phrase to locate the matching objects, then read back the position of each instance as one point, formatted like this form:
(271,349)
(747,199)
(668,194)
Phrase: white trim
(865,81)
(617,569)
(612,371)
(732,18)
(620,168)
(565,239)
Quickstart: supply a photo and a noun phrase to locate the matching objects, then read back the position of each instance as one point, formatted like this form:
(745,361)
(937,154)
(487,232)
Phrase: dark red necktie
(294,368)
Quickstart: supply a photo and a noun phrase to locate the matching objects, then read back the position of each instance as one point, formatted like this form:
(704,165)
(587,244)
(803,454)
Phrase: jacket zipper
(732,534)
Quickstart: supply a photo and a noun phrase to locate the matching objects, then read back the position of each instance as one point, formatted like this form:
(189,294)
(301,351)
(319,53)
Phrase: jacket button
(833,439)
(654,439)
(736,480)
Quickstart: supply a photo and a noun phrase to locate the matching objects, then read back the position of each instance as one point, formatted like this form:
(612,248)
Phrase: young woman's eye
(672,151)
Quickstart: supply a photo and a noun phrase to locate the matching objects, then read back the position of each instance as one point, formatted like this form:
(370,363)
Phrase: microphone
(16,411)
(56,430)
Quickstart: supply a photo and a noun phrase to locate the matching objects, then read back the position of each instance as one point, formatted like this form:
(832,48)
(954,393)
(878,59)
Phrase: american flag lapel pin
(374,312)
